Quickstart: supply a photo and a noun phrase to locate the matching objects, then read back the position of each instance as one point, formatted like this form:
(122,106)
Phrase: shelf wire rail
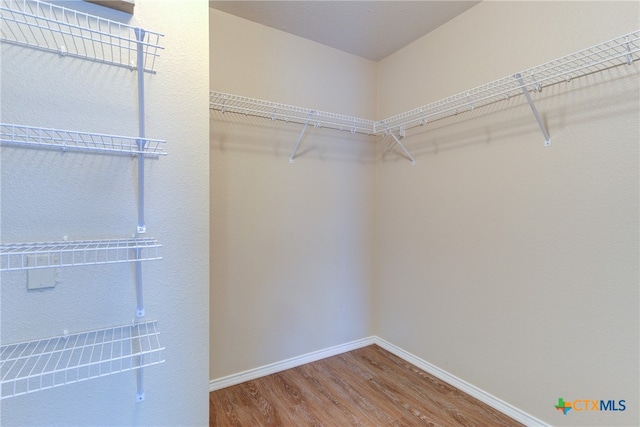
(225,102)
(65,31)
(32,366)
(619,51)
(70,140)
(23,256)
(613,53)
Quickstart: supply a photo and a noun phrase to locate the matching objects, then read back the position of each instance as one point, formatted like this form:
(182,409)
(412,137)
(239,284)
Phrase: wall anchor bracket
(547,138)
(304,129)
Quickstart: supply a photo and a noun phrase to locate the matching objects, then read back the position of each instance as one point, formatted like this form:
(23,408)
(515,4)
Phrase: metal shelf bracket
(547,138)
(304,129)
(401,132)
(629,54)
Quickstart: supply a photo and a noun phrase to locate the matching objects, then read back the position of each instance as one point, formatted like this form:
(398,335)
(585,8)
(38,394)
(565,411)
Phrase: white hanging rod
(68,32)
(69,140)
(32,366)
(15,256)
(621,50)
(225,102)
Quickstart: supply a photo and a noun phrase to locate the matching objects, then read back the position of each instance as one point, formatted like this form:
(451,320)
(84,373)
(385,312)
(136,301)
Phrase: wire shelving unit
(70,140)
(16,256)
(613,53)
(225,102)
(36,365)
(68,32)
(619,51)
(31,366)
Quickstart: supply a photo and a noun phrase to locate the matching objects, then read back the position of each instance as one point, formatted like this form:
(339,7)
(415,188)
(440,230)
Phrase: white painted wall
(291,244)
(511,265)
(47,195)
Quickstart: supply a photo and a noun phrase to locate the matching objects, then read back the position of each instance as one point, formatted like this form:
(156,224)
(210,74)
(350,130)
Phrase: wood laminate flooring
(368,387)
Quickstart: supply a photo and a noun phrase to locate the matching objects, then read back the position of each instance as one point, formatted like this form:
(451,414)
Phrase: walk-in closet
(290,208)
(428,204)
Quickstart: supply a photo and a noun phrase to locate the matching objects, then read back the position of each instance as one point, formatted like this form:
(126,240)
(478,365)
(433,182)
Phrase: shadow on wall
(246,134)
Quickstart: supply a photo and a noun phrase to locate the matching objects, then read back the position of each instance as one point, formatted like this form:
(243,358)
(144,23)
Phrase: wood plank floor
(366,387)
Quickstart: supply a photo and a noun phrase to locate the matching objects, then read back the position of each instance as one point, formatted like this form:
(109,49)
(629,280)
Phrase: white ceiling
(370,29)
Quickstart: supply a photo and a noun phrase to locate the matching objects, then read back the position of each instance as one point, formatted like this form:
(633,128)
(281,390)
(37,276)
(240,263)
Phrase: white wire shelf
(23,256)
(32,366)
(225,102)
(68,32)
(621,50)
(69,140)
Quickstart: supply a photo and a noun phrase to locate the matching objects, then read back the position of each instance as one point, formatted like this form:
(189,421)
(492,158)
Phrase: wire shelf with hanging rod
(68,32)
(622,50)
(41,364)
(225,102)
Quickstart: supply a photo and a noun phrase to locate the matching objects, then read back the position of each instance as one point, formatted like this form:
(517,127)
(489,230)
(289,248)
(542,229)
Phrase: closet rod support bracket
(304,129)
(397,141)
(547,138)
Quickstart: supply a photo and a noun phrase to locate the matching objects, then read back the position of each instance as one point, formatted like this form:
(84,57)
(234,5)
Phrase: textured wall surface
(291,244)
(48,194)
(515,266)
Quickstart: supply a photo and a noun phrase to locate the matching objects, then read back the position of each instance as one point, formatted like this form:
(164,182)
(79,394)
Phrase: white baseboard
(273,368)
(441,374)
(462,385)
